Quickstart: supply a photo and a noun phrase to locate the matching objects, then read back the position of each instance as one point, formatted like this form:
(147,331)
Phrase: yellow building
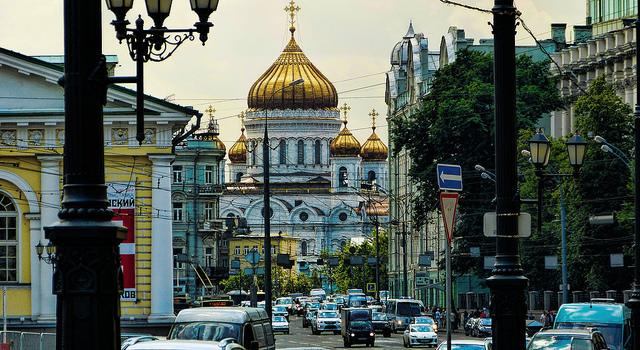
(138,179)
(241,245)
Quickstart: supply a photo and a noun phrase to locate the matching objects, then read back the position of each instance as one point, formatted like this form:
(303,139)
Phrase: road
(302,338)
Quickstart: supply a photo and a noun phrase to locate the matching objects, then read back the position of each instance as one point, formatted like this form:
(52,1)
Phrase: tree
(455,125)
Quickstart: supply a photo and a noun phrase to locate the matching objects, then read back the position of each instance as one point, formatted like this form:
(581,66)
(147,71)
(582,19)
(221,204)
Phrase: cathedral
(317,167)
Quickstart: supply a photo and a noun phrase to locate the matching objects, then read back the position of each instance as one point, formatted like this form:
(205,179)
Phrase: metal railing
(29,340)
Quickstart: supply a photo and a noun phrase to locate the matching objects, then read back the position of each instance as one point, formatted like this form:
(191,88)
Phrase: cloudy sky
(348,40)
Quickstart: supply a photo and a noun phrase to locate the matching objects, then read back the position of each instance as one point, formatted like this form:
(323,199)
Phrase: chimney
(582,33)
(559,34)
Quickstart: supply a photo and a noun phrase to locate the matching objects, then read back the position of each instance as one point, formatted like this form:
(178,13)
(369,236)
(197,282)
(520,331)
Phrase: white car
(463,344)
(419,334)
(227,344)
(326,321)
(280,324)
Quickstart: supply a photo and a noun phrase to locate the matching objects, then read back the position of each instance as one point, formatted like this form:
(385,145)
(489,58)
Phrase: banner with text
(122,198)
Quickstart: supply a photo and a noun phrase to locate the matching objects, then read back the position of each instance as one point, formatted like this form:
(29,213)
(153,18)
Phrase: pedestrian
(543,318)
(438,318)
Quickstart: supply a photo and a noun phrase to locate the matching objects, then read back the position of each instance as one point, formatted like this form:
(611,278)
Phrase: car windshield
(424,320)
(612,332)
(463,346)
(360,325)
(204,331)
(284,301)
(314,305)
(328,315)
(340,300)
(421,329)
(557,342)
(280,309)
(279,319)
(408,309)
(485,322)
(378,316)
(331,306)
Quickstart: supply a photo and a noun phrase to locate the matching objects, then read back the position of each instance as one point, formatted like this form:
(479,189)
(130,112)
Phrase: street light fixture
(577,147)
(540,149)
(154,44)
(50,249)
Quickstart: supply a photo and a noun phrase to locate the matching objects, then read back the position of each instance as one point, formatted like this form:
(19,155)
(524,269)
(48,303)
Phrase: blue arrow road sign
(253,257)
(449,177)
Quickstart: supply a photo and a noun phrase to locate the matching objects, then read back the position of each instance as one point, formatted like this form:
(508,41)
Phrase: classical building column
(35,234)
(161,241)
(49,208)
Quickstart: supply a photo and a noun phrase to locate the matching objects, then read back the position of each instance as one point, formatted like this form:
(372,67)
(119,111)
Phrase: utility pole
(377,258)
(405,289)
(508,308)
(266,213)
(634,301)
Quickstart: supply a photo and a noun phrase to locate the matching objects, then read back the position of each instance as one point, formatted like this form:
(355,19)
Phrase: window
(176,264)
(239,177)
(177,174)
(282,149)
(236,251)
(343,216)
(343,180)
(177,211)
(253,153)
(371,177)
(8,240)
(224,263)
(303,248)
(317,149)
(300,152)
(208,256)
(224,243)
(208,175)
(208,211)
(304,216)
(246,250)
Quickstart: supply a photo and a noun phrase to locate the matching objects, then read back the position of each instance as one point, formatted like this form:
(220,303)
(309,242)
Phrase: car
(326,320)
(280,324)
(488,343)
(287,302)
(329,306)
(463,345)
(481,328)
(426,320)
(468,326)
(308,318)
(381,324)
(280,310)
(226,344)
(310,306)
(552,339)
(135,340)
(419,334)
(376,308)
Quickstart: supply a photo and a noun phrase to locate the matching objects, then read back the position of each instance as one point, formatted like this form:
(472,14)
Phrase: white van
(318,293)
(251,327)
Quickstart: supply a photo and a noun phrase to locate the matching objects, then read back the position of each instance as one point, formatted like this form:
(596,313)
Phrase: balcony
(210,226)
(210,190)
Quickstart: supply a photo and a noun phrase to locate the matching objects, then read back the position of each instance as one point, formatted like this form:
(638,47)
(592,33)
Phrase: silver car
(226,344)
(325,321)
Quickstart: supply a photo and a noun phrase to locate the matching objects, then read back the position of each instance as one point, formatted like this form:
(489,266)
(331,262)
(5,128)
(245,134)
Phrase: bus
(611,319)
(402,311)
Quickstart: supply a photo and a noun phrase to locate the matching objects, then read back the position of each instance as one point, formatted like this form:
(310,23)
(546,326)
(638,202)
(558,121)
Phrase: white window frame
(178,211)
(209,211)
(208,175)
(177,174)
(8,210)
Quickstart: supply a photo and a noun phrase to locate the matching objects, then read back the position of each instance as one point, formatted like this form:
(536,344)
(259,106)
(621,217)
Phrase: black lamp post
(634,301)
(87,274)
(50,258)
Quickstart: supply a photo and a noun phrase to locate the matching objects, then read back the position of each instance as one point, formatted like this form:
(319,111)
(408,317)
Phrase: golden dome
(374,148)
(211,134)
(238,152)
(270,91)
(345,145)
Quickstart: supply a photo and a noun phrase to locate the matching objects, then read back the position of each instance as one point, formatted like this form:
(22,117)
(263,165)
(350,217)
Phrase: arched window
(303,248)
(300,152)
(343,180)
(239,177)
(253,153)
(371,176)
(8,240)
(282,148)
(317,148)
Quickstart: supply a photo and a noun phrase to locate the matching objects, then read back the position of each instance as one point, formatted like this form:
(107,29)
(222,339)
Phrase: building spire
(292,10)
(373,116)
(241,116)
(410,33)
(345,110)
(210,111)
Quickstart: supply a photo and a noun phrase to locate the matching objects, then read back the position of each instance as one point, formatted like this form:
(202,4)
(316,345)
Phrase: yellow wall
(284,245)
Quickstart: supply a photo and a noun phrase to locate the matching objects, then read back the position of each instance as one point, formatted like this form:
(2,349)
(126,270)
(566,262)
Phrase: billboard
(122,197)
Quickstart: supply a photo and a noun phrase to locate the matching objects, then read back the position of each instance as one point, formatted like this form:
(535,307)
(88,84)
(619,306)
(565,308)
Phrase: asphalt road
(302,338)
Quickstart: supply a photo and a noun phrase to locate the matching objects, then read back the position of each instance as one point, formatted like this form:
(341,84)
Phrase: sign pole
(448,313)
(448,206)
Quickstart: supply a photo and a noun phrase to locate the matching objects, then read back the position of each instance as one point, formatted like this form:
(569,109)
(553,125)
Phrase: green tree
(455,125)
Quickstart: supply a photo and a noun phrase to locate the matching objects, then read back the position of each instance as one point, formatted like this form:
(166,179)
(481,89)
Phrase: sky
(348,40)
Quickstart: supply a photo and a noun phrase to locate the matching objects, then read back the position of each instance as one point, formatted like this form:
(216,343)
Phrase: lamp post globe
(577,147)
(158,10)
(204,8)
(39,249)
(540,149)
(119,7)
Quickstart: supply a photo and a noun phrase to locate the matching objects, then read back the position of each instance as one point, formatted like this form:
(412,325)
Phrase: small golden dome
(345,145)
(374,148)
(270,91)
(238,152)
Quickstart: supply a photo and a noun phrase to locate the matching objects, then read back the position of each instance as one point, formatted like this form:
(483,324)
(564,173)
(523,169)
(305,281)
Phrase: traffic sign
(490,225)
(448,206)
(253,257)
(371,288)
(250,271)
(449,177)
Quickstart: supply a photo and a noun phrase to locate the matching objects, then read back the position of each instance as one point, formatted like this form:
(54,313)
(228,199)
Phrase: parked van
(250,327)
(610,319)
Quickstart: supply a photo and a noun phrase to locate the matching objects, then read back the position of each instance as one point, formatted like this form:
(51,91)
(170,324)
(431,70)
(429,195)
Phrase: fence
(30,341)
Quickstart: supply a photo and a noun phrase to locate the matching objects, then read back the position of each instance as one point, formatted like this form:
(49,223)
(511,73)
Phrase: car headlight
(372,334)
(353,334)
(399,321)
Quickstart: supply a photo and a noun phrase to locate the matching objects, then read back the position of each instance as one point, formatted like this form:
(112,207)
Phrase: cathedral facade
(317,165)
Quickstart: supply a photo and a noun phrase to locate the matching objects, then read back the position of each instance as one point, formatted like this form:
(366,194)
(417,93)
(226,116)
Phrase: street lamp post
(266,210)
(634,301)
(87,271)
(507,284)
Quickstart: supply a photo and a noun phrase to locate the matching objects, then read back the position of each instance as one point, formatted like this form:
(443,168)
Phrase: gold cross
(345,109)
(210,111)
(373,116)
(292,9)
(242,115)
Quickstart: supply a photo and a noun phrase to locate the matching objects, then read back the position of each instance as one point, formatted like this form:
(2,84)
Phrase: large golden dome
(345,144)
(238,152)
(270,91)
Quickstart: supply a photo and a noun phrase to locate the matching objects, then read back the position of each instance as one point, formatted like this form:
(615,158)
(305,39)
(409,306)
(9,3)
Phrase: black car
(381,324)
